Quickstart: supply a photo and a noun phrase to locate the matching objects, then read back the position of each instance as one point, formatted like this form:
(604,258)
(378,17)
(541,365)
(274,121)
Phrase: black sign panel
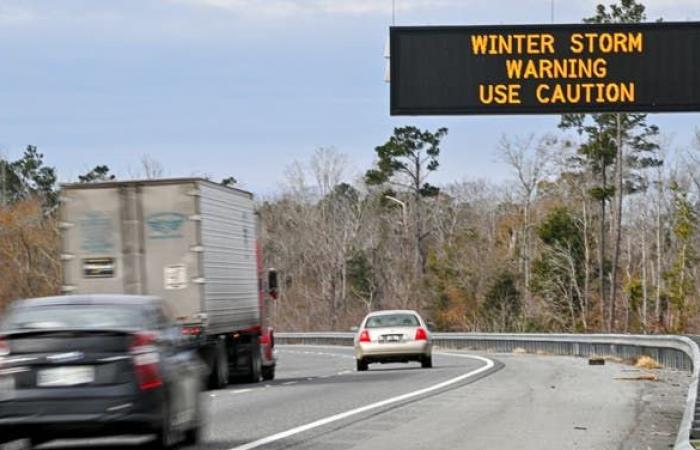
(543,69)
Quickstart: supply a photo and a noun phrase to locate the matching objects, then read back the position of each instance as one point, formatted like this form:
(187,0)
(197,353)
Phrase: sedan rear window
(392,320)
(81,317)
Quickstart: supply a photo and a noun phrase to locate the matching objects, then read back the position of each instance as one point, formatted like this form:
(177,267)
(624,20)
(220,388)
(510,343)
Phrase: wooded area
(472,255)
(597,230)
(531,255)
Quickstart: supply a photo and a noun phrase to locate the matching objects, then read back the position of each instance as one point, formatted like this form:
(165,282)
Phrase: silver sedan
(393,336)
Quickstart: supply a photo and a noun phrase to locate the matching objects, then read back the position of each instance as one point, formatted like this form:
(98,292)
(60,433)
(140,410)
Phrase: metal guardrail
(674,352)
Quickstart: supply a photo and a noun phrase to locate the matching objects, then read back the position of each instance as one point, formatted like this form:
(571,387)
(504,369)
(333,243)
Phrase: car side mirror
(431,326)
(273,283)
(354,329)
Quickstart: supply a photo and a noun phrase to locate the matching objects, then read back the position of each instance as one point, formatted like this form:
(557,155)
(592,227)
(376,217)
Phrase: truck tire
(268,372)
(218,379)
(255,369)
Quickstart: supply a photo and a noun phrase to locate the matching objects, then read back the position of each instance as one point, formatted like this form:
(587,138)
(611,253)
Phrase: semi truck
(195,244)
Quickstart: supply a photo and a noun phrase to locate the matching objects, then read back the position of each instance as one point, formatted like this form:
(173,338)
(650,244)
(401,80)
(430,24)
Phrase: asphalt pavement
(467,401)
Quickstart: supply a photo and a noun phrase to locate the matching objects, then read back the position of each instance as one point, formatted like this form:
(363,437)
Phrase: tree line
(554,249)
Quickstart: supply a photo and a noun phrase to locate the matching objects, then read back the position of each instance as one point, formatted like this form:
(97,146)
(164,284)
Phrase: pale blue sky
(242,87)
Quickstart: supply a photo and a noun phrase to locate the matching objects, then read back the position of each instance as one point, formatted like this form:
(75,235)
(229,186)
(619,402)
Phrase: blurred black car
(95,366)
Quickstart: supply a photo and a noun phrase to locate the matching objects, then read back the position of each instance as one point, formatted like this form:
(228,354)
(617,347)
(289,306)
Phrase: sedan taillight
(364,336)
(421,334)
(146,360)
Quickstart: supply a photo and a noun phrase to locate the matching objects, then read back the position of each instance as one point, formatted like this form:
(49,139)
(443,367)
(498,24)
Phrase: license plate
(7,382)
(7,387)
(65,376)
(392,338)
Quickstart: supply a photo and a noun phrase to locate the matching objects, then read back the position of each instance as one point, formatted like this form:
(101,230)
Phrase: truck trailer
(195,244)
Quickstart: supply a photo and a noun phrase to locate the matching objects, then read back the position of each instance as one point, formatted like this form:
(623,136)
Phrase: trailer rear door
(134,238)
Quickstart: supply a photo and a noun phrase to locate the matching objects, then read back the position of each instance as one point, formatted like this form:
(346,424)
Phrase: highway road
(467,401)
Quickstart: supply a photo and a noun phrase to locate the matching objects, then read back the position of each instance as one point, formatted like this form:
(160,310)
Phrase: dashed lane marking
(303,352)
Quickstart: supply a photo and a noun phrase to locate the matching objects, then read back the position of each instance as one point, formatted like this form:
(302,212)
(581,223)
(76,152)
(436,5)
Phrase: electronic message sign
(541,69)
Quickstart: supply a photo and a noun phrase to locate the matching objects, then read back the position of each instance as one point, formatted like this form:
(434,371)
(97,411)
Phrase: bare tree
(529,158)
(328,167)
(149,168)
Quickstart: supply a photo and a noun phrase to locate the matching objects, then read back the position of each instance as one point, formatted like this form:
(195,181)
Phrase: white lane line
(321,422)
(240,391)
(289,382)
(335,355)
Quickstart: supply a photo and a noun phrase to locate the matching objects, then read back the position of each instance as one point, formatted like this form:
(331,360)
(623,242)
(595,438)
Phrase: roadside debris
(643,377)
(647,362)
(596,361)
(615,359)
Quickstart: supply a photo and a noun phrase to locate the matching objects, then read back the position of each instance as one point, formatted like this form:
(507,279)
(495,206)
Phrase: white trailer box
(189,241)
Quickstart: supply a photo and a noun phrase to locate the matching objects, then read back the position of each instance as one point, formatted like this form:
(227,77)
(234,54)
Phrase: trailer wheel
(219,374)
(255,369)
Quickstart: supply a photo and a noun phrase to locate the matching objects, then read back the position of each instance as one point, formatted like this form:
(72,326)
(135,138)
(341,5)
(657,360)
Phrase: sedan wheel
(362,365)
(166,437)
(194,434)
(426,362)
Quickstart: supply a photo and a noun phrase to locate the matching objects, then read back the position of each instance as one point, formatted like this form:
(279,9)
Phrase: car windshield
(72,317)
(392,320)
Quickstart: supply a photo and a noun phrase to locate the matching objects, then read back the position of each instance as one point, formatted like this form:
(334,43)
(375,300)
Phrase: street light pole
(551,11)
(3,180)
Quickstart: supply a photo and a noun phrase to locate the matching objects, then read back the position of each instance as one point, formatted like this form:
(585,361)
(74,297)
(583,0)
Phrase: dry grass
(647,362)
(29,252)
